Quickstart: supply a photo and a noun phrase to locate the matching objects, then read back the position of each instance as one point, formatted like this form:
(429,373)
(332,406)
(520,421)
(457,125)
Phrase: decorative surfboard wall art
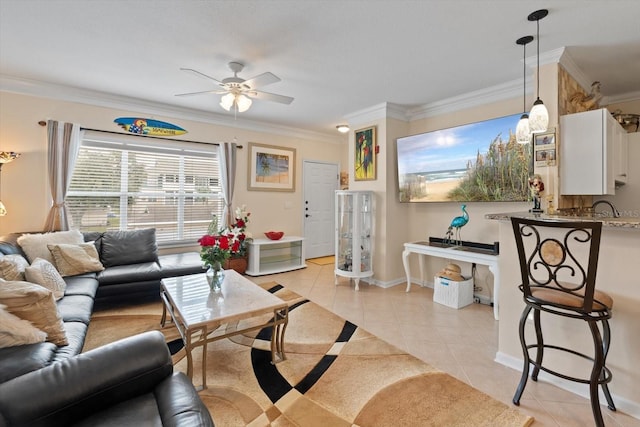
(148,127)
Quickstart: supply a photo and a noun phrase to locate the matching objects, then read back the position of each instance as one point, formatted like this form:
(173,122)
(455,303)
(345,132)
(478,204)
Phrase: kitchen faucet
(614,211)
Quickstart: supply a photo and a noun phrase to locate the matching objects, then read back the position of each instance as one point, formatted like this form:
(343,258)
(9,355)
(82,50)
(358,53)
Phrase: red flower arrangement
(217,246)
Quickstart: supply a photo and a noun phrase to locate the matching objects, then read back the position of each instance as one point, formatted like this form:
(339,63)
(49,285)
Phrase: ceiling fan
(237,91)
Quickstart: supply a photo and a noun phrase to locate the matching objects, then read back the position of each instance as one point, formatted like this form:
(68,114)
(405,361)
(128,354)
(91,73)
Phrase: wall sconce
(343,128)
(539,116)
(5,157)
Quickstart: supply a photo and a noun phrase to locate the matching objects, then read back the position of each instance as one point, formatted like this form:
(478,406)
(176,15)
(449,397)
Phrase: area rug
(325,260)
(335,374)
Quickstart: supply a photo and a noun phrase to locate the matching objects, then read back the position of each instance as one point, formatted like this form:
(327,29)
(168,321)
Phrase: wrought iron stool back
(558,264)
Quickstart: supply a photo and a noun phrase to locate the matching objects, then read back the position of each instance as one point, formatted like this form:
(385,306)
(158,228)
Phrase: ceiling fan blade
(201,92)
(261,80)
(199,74)
(266,96)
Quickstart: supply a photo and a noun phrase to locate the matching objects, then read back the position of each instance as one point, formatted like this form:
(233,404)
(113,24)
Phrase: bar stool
(558,262)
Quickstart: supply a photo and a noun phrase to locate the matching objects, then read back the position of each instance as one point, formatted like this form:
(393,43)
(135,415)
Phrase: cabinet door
(621,155)
(344,231)
(365,231)
(582,157)
(610,146)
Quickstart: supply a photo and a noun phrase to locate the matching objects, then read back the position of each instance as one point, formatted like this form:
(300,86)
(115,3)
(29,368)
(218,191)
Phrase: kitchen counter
(624,222)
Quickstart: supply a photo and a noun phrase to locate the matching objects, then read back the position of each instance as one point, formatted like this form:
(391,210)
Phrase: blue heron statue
(456,224)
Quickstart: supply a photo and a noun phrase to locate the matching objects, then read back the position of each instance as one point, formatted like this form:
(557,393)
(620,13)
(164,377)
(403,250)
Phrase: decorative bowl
(274,235)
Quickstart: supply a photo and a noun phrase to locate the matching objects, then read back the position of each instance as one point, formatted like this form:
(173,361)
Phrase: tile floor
(461,342)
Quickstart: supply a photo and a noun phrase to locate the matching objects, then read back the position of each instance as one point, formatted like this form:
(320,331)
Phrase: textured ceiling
(334,57)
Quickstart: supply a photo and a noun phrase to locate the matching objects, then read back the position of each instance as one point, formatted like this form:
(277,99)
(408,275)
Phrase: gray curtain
(227,158)
(64,143)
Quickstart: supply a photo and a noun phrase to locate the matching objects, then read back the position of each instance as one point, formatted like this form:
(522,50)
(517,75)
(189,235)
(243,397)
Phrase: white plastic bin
(451,293)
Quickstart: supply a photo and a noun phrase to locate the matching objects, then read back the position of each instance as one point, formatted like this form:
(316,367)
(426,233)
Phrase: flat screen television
(476,162)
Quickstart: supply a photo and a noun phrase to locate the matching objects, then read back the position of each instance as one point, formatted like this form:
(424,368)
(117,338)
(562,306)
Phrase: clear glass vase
(215,276)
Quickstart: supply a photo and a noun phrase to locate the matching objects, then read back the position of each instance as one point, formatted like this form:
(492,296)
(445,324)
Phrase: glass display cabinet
(354,235)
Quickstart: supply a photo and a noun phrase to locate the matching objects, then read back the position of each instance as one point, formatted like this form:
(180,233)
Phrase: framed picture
(365,155)
(543,140)
(544,146)
(460,164)
(271,168)
(546,157)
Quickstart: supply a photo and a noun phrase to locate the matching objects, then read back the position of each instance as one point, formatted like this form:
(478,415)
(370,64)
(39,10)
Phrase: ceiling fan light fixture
(343,128)
(226,101)
(243,102)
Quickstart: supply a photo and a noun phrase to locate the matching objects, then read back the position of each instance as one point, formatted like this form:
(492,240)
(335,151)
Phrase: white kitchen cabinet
(592,153)
(354,235)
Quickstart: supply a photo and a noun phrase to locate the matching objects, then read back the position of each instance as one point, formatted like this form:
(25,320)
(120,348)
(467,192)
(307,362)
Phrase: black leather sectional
(127,383)
(133,271)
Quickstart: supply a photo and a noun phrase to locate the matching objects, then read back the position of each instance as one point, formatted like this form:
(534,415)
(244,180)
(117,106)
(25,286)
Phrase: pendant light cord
(538,57)
(524,78)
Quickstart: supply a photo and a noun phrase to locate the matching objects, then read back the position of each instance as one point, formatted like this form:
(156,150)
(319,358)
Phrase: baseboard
(627,406)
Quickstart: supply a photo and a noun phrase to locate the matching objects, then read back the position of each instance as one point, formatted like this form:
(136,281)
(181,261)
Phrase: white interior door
(320,181)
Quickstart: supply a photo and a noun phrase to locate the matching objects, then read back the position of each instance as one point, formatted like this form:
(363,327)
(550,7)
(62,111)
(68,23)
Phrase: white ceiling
(335,58)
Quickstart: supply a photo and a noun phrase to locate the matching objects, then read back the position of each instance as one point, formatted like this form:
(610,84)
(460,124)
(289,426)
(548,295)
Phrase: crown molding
(102,99)
(567,62)
(380,111)
(477,98)
(509,90)
(627,97)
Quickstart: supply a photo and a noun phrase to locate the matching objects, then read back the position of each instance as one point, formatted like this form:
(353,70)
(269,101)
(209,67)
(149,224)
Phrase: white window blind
(123,182)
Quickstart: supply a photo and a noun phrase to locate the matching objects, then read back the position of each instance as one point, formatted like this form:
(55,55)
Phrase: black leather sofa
(127,383)
(133,271)
(133,268)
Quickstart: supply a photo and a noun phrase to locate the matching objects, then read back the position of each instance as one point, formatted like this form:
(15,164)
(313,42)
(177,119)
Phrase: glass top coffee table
(198,312)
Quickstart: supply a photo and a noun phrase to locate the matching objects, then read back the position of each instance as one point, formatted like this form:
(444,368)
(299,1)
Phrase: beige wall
(25,187)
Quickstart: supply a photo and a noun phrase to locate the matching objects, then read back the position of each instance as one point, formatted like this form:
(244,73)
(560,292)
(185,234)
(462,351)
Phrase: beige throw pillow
(35,304)
(16,331)
(43,273)
(35,245)
(76,259)
(12,267)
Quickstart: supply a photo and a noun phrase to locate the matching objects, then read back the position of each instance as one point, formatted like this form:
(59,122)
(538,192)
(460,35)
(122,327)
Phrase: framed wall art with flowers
(365,154)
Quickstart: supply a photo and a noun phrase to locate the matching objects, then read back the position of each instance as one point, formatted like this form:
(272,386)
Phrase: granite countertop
(625,222)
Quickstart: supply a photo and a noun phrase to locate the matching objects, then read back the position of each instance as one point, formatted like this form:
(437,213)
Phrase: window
(126,182)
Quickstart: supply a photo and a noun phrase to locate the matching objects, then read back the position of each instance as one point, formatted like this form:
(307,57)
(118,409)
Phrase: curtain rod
(44,123)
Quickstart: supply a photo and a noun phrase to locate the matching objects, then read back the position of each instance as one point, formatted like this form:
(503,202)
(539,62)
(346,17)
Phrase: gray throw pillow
(129,247)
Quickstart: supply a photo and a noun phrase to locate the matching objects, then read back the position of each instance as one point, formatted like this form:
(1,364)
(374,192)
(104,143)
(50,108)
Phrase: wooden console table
(458,253)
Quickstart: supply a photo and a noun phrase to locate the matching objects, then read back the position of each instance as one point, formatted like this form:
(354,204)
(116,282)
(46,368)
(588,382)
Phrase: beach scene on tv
(477,162)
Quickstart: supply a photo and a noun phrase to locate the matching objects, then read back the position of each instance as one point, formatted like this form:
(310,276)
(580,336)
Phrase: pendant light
(539,116)
(523,134)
